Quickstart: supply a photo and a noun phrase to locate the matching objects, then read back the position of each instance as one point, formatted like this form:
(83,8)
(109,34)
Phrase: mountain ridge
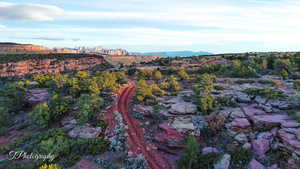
(183,53)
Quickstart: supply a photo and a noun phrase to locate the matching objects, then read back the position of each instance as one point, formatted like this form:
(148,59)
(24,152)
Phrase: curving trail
(136,141)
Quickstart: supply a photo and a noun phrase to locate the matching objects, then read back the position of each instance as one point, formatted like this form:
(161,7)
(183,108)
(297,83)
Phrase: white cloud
(2,26)
(151,36)
(174,24)
(258,18)
(28,12)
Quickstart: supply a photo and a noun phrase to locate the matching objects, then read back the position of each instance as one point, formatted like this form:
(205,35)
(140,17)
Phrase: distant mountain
(173,53)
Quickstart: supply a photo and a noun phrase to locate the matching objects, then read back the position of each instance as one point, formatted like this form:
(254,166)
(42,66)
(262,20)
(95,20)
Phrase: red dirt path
(136,141)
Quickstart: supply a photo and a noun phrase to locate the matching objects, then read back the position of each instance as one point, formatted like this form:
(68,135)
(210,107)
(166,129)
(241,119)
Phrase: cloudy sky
(155,25)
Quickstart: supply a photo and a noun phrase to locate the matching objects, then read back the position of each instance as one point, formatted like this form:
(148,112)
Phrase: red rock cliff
(14,48)
(47,66)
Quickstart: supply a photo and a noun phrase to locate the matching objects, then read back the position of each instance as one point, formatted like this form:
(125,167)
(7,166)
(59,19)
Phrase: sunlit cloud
(28,12)
(147,25)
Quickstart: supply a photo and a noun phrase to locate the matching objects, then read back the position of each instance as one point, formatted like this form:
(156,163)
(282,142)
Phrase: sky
(218,26)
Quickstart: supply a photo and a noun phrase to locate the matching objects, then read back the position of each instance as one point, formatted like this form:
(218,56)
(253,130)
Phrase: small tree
(82,75)
(283,67)
(206,104)
(50,166)
(284,74)
(41,115)
(174,85)
(144,90)
(190,153)
(156,90)
(182,74)
(236,64)
(297,85)
(157,75)
(59,107)
(89,106)
(207,83)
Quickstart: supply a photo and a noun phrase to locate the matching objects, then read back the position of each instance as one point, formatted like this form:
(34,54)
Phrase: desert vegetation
(222,112)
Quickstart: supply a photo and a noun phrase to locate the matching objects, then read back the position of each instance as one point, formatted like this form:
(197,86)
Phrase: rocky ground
(262,126)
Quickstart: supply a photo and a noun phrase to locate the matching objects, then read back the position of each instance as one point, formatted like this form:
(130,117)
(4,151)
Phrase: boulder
(290,140)
(183,123)
(260,100)
(255,165)
(223,163)
(68,123)
(169,133)
(240,123)
(269,121)
(260,146)
(280,104)
(241,138)
(183,108)
(247,146)
(37,96)
(85,132)
(273,167)
(290,124)
(265,135)
(253,110)
(207,150)
(237,114)
(243,98)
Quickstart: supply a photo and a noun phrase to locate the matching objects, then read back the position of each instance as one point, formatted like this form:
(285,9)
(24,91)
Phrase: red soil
(136,141)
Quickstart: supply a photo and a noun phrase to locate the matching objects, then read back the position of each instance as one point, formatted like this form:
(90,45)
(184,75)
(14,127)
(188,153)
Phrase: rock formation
(15,48)
(47,66)
(130,59)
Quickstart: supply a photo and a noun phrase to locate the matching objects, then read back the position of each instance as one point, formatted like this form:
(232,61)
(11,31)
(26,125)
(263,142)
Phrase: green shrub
(59,106)
(268,93)
(206,104)
(222,100)
(188,159)
(41,115)
(182,74)
(50,166)
(191,158)
(297,85)
(3,131)
(157,75)
(45,114)
(5,117)
(283,67)
(206,161)
(206,83)
(12,96)
(55,141)
(240,158)
(89,107)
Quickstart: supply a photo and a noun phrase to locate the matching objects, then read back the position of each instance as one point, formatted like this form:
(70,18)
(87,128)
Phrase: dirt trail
(136,141)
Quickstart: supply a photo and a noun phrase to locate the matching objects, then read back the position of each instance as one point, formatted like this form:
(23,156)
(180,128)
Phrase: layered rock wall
(47,66)
(14,48)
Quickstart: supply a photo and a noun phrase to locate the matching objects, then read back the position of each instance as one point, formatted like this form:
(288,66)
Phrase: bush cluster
(45,114)
(89,108)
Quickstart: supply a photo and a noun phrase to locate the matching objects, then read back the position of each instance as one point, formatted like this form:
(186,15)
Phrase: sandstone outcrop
(127,60)
(47,66)
(15,48)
